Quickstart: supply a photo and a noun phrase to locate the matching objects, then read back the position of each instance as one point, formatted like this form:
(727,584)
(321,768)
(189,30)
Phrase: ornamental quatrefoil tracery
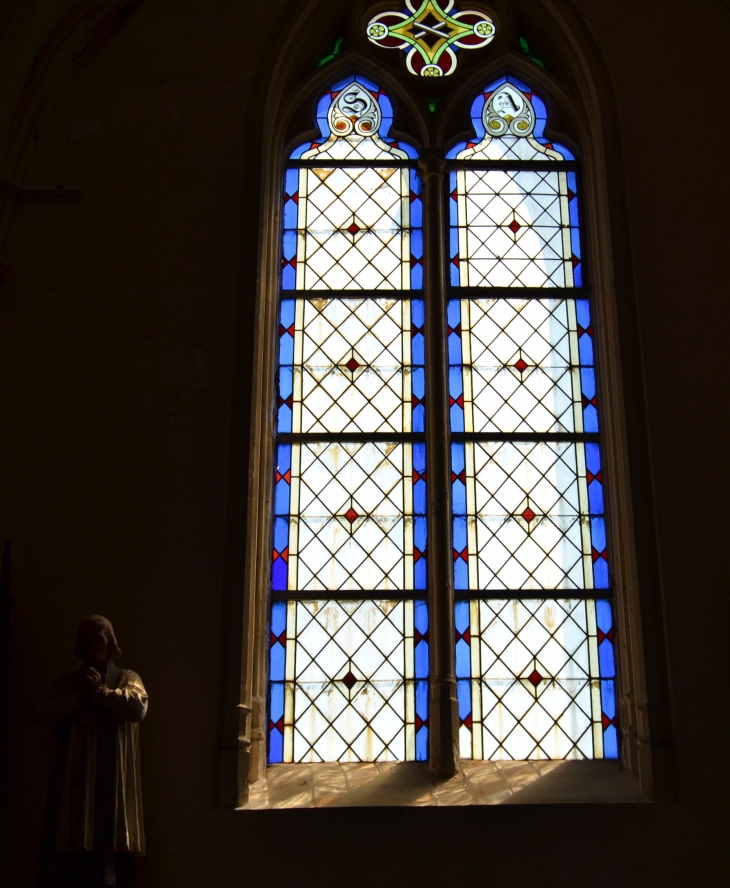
(427,31)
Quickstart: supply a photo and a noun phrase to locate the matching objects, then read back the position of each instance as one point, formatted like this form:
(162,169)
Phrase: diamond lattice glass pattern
(524,502)
(521,366)
(536,679)
(354,369)
(352,523)
(353,229)
(514,229)
(348,681)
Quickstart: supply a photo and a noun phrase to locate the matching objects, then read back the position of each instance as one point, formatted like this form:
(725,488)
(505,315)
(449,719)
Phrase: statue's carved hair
(113,648)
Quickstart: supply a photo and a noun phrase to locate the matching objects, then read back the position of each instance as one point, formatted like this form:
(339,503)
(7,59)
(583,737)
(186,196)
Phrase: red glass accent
(281,639)
(279,725)
(284,555)
(587,401)
(528,514)
(601,635)
(571,194)
(349,681)
(286,476)
(575,260)
(352,365)
(459,401)
(418,476)
(521,365)
(514,226)
(466,635)
(534,677)
(417,636)
(416,401)
(351,515)
(456,329)
(420,722)
(595,554)
(353,229)
(582,331)
(461,476)
(414,329)
(464,555)
(415,261)
(289,400)
(466,721)
(413,196)
(591,477)
(455,260)
(454,195)
(283,330)
(294,197)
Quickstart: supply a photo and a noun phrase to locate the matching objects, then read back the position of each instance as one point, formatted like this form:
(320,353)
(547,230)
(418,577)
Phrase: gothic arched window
(514,606)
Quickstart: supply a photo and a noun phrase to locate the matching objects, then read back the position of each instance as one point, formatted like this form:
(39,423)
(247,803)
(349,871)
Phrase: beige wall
(117,353)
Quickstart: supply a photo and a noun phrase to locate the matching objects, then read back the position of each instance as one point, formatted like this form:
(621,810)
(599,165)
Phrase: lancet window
(350,590)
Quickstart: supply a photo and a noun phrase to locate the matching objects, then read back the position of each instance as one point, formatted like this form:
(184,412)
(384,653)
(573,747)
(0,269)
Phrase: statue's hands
(88,682)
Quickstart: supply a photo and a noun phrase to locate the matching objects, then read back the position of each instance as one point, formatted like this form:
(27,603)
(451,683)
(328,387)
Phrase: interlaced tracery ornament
(427,31)
(354,109)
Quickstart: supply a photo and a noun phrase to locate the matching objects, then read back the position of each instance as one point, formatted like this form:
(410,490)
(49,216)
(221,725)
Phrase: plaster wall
(117,371)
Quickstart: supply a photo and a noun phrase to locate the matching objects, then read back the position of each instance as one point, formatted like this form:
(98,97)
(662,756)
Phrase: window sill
(478,783)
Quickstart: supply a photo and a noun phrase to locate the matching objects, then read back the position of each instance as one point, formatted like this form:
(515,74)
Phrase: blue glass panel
(604,616)
(454,244)
(600,574)
(585,337)
(608,698)
(416,221)
(462,616)
(279,575)
(454,276)
(458,479)
(578,270)
(286,347)
(606,659)
(573,186)
(422,699)
(420,542)
(588,386)
(461,569)
(278,618)
(420,617)
(276,747)
(463,693)
(422,745)
(276,700)
(281,536)
(284,401)
(278,664)
(421,658)
(417,341)
(291,213)
(595,497)
(289,245)
(418,389)
(463,659)
(287,310)
(288,278)
(456,399)
(610,743)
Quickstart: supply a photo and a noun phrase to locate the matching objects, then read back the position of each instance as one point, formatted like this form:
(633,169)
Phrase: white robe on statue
(94,739)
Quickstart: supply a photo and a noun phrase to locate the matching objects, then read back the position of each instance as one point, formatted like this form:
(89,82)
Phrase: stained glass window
(349,636)
(350,630)
(534,636)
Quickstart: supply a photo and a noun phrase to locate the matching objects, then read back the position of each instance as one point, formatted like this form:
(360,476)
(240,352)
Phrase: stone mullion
(443,705)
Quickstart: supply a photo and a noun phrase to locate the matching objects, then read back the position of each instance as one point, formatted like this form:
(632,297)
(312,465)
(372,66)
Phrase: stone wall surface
(118,366)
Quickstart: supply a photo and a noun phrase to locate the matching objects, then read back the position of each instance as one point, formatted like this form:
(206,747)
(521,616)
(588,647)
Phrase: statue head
(95,640)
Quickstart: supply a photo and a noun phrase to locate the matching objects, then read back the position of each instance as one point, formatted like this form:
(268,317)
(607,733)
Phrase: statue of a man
(93,824)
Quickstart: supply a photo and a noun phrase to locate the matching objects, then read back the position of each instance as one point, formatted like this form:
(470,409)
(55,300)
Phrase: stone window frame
(587,103)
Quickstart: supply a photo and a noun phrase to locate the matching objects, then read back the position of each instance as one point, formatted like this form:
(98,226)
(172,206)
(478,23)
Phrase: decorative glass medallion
(427,31)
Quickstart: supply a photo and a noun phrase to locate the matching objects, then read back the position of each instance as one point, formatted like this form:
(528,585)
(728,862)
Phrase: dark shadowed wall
(117,323)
